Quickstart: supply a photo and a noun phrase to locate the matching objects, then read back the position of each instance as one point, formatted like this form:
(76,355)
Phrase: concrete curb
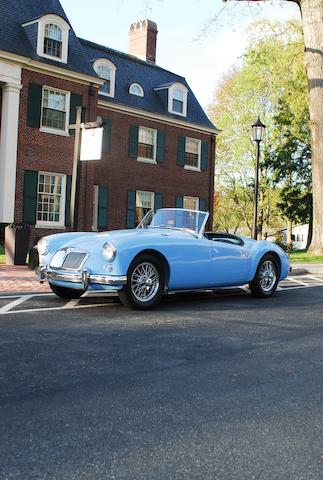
(298,271)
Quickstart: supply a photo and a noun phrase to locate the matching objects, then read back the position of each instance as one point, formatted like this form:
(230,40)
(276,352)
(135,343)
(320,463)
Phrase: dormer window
(53,40)
(177,99)
(136,89)
(107,71)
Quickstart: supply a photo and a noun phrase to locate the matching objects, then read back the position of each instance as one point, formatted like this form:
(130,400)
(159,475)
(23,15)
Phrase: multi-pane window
(145,201)
(53,40)
(136,89)
(191,203)
(178,101)
(104,72)
(192,153)
(54,109)
(50,198)
(147,144)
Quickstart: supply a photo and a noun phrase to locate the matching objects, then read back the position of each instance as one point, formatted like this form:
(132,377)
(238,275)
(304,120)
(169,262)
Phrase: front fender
(263,247)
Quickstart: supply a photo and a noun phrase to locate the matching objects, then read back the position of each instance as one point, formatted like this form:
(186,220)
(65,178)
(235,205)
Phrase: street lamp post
(258,132)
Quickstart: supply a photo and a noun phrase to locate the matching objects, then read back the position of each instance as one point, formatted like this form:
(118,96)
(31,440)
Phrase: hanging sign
(91,144)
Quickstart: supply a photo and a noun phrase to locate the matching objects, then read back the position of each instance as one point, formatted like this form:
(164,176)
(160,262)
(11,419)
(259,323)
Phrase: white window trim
(61,223)
(189,167)
(171,90)
(113,69)
(196,199)
(64,26)
(133,85)
(149,160)
(56,131)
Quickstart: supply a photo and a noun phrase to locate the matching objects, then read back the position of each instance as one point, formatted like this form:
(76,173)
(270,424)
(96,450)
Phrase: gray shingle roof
(20,40)
(150,76)
(14,37)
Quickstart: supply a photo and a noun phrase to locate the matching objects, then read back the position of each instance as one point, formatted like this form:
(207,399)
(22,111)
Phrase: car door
(230,263)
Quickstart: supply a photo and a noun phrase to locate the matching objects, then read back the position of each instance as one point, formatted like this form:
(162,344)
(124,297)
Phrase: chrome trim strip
(109,279)
(84,278)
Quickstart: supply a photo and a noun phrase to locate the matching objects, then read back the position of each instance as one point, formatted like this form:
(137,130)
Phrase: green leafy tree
(312,25)
(271,78)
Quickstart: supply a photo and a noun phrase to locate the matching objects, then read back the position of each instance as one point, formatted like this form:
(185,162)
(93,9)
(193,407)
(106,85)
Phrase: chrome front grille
(73,260)
(68,259)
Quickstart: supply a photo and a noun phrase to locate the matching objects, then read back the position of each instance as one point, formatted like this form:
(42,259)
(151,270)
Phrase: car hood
(98,239)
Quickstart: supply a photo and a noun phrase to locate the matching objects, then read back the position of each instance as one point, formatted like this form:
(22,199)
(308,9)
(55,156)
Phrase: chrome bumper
(84,278)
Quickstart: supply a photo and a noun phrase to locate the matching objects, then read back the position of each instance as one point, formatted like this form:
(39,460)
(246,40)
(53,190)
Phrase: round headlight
(42,246)
(109,251)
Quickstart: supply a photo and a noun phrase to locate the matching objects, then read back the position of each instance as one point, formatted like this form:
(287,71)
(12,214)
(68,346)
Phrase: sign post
(88,145)
(73,220)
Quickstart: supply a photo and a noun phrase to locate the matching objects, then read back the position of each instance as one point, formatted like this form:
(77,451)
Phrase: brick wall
(117,171)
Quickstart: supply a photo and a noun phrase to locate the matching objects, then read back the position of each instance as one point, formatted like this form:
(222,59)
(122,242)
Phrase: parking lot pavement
(38,302)
(205,387)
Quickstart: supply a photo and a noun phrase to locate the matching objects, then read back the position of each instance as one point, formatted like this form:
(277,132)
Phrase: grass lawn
(1,254)
(302,256)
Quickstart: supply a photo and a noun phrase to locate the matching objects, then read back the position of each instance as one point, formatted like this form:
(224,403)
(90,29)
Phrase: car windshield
(176,218)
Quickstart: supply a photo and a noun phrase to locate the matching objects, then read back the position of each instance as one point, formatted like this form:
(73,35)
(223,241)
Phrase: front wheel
(66,293)
(145,283)
(266,279)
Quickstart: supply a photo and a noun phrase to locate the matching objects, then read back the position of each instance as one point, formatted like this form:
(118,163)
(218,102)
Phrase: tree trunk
(312,16)
(310,231)
(289,233)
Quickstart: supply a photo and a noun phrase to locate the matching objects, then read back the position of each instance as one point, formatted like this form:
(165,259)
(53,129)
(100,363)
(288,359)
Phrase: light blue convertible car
(169,251)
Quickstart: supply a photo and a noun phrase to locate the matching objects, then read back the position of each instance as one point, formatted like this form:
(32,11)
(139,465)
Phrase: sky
(198,39)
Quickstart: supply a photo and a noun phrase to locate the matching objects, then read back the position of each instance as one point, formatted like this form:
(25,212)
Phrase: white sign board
(91,144)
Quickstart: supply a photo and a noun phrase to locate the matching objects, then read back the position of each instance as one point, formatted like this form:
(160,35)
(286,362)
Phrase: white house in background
(299,236)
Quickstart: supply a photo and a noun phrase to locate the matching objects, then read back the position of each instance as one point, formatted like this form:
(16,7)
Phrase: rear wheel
(266,279)
(67,293)
(145,283)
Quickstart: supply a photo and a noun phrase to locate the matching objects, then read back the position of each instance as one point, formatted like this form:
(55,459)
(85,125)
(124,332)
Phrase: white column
(8,150)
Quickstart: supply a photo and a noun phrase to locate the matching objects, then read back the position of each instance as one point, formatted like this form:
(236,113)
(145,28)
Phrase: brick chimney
(142,40)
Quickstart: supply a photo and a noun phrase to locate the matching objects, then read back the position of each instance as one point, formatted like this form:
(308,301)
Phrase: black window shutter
(158,201)
(106,141)
(161,138)
(179,201)
(34,105)
(76,101)
(131,209)
(68,201)
(202,204)
(30,197)
(103,208)
(181,151)
(204,155)
(133,141)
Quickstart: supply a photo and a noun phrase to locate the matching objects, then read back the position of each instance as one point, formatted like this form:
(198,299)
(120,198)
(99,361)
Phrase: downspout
(211,181)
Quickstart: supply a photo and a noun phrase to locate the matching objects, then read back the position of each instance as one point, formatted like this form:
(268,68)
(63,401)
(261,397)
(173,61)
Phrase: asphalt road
(204,387)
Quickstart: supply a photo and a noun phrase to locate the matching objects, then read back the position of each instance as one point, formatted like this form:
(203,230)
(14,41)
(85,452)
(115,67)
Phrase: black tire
(67,293)
(138,293)
(266,279)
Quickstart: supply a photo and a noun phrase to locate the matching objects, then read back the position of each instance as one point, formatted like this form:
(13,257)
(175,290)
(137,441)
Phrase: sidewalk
(17,279)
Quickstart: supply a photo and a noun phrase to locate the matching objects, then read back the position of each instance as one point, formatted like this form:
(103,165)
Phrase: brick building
(158,144)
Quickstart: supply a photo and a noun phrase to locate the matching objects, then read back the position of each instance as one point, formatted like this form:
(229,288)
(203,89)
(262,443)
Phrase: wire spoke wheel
(144,282)
(267,275)
(266,278)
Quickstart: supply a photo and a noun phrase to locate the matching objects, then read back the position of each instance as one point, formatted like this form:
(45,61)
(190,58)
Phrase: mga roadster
(168,251)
